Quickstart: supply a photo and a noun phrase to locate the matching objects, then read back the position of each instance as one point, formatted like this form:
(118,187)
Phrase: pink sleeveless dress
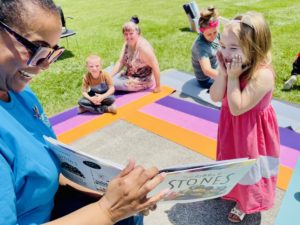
(253,134)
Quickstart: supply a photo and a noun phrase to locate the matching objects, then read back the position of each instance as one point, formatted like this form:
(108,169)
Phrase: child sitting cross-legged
(97,89)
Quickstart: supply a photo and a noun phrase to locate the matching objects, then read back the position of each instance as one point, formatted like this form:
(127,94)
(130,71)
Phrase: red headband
(211,24)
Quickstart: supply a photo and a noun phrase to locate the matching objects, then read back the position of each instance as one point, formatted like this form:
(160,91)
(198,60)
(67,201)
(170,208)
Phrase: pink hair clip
(211,24)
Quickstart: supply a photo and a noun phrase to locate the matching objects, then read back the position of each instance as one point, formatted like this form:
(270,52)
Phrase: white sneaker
(289,83)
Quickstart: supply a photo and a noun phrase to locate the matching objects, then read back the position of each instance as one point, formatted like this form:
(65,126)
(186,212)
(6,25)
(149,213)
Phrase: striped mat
(197,127)
(186,123)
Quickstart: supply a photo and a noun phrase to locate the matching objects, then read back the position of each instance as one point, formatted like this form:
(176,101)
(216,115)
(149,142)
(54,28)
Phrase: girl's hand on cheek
(234,68)
(221,63)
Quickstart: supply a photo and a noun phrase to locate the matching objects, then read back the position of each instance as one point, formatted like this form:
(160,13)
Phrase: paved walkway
(121,140)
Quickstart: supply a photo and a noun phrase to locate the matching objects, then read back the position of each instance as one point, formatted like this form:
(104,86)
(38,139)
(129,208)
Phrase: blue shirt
(29,171)
(203,48)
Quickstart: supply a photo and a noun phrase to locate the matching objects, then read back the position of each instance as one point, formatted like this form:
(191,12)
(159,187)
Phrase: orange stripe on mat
(106,119)
(196,142)
(201,144)
(284,177)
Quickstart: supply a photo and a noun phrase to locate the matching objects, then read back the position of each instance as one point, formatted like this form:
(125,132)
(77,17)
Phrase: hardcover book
(192,182)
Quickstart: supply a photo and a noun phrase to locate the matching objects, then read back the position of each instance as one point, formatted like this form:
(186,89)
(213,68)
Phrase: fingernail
(163,174)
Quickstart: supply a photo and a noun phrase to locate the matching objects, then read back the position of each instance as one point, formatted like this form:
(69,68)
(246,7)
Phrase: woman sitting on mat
(205,47)
(139,60)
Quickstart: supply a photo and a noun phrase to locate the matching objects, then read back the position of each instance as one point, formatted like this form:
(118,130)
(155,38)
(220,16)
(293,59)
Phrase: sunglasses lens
(39,56)
(55,55)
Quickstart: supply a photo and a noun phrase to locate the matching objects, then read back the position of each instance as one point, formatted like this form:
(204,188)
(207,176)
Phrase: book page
(82,168)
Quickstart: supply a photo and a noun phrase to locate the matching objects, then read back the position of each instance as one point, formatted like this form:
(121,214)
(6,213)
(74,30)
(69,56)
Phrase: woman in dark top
(205,47)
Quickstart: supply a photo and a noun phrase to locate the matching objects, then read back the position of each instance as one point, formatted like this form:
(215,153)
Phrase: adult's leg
(120,83)
(131,84)
(206,83)
(68,199)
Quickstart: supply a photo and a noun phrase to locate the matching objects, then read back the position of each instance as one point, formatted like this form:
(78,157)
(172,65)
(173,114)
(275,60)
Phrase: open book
(186,182)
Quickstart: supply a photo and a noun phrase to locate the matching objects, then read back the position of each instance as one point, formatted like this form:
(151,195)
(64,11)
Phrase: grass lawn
(164,23)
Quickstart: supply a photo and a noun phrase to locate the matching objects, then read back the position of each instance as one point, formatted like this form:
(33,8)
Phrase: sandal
(236,215)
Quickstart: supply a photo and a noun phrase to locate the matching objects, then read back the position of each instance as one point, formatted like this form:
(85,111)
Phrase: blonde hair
(131,26)
(207,15)
(254,37)
(91,57)
(87,60)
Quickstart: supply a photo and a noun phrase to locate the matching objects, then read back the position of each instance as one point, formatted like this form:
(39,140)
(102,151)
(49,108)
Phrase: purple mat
(203,112)
(63,116)
(287,137)
(72,112)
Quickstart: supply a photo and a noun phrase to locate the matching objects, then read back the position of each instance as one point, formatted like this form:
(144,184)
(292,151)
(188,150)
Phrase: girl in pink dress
(248,125)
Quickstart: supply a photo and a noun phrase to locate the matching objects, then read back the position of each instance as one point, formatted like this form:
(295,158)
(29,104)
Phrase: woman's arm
(148,56)
(119,64)
(66,182)
(125,196)
(207,69)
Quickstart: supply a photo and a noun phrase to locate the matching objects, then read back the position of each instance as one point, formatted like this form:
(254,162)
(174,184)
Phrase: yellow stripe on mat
(196,142)
(99,122)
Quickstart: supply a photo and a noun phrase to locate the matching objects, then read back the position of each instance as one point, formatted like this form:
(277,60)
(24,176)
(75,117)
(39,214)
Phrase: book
(189,182)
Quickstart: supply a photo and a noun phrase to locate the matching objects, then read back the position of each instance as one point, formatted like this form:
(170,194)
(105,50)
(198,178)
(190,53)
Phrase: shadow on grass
(207,212)
(295,87)
(67,54)
(186,29)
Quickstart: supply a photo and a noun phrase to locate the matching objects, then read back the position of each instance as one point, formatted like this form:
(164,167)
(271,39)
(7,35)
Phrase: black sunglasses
(39,53)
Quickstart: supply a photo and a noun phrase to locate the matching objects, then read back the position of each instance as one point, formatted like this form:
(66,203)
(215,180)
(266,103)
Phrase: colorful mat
(77,126)
(290,207)
(69,119)
(195,126)
(287,114)
(186,123)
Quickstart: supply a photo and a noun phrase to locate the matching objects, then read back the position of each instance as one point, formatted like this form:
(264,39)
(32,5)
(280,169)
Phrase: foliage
(164,23)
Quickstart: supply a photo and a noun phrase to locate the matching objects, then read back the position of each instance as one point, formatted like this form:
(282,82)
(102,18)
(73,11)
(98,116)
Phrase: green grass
(163,22)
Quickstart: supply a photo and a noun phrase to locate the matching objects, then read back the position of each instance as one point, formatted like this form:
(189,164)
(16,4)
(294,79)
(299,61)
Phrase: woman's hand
(127,193)
(156,89)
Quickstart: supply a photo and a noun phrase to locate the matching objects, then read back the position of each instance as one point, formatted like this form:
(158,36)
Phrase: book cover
(192,182)
(82,168)
(203,182)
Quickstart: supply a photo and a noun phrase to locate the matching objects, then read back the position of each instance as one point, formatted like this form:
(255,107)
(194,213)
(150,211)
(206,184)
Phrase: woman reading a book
(29,171)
